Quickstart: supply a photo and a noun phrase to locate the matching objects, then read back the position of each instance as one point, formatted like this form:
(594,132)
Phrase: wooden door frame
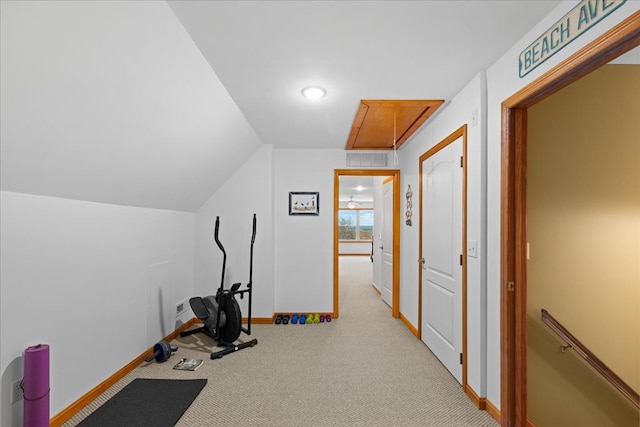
(461,132)
(513,303)
(395,174)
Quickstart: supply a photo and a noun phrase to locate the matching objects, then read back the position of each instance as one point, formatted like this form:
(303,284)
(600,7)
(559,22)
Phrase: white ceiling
(155,104)
(360,188)
(265,52)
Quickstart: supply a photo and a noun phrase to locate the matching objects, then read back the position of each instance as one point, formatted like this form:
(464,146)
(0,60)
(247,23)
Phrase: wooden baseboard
(260,320)
(493,411)
(480,402)
(76,406)
(409,326)
(375,288)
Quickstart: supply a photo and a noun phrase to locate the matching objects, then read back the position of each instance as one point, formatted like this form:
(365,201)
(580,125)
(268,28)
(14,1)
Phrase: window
(356,224)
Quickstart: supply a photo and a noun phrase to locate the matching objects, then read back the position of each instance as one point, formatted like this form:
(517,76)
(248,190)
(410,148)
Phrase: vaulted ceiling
(156,104)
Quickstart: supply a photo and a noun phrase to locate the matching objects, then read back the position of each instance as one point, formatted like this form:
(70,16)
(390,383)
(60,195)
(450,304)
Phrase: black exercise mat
(146,402)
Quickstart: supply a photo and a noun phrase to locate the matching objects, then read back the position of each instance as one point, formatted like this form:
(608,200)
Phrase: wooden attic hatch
(379,122)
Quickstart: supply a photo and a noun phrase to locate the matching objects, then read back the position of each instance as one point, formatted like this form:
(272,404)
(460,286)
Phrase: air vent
(367,160)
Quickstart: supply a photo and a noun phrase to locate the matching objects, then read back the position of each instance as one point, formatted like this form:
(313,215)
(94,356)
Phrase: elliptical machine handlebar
(253,236)
(224,253)
(215,234)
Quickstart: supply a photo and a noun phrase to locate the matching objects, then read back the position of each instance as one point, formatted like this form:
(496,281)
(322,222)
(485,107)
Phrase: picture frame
(304,203)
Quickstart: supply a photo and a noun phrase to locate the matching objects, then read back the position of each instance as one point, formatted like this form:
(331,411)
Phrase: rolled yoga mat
(36,386)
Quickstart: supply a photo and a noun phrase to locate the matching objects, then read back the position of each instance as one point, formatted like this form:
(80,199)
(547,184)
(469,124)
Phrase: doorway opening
(394,174)
(513,278)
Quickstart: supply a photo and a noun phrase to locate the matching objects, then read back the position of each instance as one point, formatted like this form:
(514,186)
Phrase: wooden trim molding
(618,40)
(336,244)
(480,402)
(261,320)
(493,411)
(395,175)
(513,281)
(89,397)
(409,326)
(375,288)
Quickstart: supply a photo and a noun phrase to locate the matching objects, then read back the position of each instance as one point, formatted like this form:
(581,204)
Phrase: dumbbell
(303,319)
(294,318)
(161,352)
(285,319)
(316,318)
(278,319)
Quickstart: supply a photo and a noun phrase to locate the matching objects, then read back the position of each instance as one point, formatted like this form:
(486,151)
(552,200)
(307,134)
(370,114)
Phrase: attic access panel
(373,126)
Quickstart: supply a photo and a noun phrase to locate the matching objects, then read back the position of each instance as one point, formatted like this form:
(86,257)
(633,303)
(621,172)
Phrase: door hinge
(460,259)
(511,286)
(461,161)
(461,358)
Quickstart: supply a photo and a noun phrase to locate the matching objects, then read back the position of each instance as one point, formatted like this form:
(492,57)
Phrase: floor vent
(367,160)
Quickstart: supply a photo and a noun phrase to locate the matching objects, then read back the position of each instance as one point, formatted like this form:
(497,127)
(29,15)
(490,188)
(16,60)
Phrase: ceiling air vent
(367,160)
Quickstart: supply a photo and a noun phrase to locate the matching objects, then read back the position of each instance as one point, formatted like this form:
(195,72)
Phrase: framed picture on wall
(304,203)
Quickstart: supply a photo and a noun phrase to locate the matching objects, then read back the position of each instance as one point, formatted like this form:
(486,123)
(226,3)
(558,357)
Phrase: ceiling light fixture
(313,92)
(352,204)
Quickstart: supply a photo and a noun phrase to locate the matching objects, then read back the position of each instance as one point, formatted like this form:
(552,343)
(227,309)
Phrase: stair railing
(591,358)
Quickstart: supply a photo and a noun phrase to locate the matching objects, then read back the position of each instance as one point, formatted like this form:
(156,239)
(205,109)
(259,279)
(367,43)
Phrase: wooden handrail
(591,358)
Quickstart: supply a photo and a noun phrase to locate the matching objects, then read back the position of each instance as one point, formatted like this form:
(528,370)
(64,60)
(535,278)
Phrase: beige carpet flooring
(363,369)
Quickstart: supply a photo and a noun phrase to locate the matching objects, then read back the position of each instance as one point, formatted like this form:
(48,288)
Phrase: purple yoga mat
(36,386)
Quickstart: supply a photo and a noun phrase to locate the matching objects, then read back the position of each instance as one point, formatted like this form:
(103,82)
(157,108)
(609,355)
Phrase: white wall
(293,265)
(455,114)
(118,103)
(502,82)
(304,245)
(358,248)
(248,191)
(97,282)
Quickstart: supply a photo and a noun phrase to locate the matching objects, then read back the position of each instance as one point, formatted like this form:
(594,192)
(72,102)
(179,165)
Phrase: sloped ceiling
(145,103)
(112,102)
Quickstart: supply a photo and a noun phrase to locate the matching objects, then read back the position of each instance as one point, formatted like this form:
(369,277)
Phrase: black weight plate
(165,351)
(231,330)
(157,352)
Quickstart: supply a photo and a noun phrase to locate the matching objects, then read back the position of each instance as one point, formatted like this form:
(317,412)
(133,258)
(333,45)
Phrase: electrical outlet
(181,307)
(16,391)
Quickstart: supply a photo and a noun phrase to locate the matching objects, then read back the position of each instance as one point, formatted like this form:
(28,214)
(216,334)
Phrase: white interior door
(442,249)
(387,243)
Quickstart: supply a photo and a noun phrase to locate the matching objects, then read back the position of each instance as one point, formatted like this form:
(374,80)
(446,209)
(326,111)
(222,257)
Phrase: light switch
(472,248)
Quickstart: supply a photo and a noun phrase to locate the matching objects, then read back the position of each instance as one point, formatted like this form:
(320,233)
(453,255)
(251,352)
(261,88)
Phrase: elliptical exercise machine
(221,313)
